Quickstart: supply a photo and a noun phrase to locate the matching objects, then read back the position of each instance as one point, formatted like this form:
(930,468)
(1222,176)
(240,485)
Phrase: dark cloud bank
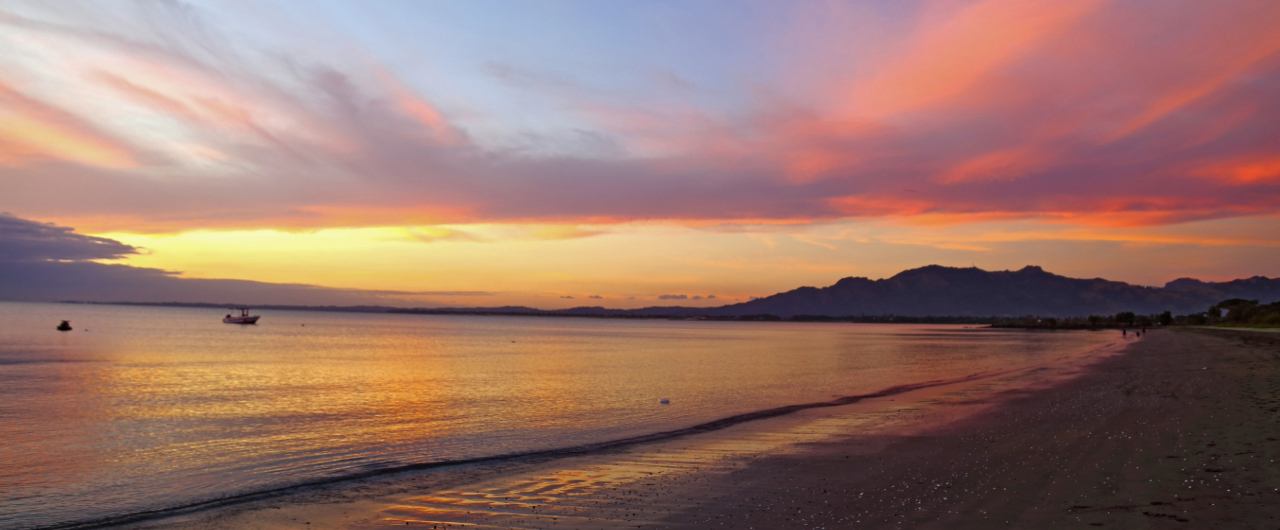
(41,262)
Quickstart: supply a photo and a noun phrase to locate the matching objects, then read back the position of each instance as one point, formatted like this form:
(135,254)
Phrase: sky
(630,154)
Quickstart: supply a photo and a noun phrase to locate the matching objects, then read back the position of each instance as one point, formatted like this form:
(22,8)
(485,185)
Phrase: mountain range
(962,292)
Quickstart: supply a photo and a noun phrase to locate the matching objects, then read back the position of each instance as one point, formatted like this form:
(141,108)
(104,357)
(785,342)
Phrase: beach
(1177,429)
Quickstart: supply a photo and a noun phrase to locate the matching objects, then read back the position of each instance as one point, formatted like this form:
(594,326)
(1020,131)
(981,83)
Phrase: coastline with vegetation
(1230,313)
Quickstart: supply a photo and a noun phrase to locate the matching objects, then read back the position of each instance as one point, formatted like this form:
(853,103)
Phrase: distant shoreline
(994,322)
(205,305)
(529,312)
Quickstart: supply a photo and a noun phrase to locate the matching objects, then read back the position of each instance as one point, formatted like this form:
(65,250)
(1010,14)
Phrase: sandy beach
(1178,429)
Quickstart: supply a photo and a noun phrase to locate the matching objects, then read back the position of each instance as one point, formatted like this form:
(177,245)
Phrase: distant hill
(962,292)
(937,290)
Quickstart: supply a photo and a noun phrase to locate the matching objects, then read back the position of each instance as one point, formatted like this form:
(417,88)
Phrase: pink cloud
(409,103)
(1261,168)
(954,51)
(32,131)
(1080,111)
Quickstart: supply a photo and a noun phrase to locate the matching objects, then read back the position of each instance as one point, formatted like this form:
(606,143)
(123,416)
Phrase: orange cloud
(419,109)
(30,129)
(949,56)
(1230,58)
(965,218)
(1259,169)
(1009,164)
(1135,211)
(881,206)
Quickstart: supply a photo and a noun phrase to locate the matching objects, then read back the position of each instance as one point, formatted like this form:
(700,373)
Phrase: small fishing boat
(64,326)
(244,318)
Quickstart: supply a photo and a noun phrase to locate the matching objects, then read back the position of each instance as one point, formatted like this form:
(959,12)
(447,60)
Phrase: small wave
(577,450)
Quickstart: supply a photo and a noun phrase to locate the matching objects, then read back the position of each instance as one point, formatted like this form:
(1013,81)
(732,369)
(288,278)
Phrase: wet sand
(1178,430)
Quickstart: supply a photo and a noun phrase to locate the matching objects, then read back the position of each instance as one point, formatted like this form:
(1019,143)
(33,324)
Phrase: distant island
(931,294)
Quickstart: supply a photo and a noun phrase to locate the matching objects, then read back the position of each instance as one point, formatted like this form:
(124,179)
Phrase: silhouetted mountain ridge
(936,290)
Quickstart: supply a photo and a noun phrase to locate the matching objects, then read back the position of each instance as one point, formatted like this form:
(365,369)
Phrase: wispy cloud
(1085,111)
(32,131)
(434,234)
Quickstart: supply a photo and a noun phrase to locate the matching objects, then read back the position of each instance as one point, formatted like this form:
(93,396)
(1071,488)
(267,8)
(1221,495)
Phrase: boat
(64,326)
(244,318)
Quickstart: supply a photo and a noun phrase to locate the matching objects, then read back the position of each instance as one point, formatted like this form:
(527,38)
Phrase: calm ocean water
(142,408)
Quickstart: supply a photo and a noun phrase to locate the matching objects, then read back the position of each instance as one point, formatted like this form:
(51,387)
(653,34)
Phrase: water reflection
(156,407)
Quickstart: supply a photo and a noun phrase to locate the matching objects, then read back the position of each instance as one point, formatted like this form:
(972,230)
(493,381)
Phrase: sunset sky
(628,154)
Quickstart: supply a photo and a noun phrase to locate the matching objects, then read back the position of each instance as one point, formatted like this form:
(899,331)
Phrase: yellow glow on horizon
(551,266)
(531,264)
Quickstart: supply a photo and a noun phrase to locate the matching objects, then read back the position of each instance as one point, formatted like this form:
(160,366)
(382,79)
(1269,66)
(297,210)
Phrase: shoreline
(1178,432)
(231,502)
(558,453)
(396,497)
(604,314)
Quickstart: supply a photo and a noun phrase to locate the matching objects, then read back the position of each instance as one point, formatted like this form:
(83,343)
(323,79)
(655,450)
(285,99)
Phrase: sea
(142,409)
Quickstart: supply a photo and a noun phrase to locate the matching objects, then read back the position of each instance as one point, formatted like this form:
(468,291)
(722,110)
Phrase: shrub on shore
(1238,311)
